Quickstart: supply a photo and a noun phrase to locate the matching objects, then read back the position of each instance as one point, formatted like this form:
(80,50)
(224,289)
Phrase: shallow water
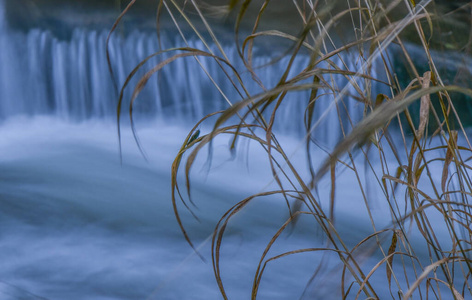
(77,224)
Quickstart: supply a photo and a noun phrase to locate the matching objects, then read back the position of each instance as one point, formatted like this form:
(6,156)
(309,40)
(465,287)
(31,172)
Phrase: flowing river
(78,223)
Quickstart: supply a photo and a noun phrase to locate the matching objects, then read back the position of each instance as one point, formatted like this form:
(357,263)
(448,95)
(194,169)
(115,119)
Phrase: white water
(76,224)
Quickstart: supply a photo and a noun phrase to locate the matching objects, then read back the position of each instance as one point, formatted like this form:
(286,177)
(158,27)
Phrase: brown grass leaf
(391,250)
(452,145)
(424,105)
(425,273)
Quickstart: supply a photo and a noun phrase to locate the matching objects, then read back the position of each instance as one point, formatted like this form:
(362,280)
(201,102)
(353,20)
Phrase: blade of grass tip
(241,13)
(391,250)
(241,50)
(159,10)
(251,43)
(399,172)
(366,280)
(145,78)
(219,231)
(452,145)
(424,105)
(130,77)
(456,293)
(298,251)
(194,137)
(239,18)
(207,139)
(269,137)
(112,74)
(309,119)
(333,190)
(174,184)
(182,227)
(189,141)
(259,271)
(423,275)
(176,210)
(135,133)
(361,252)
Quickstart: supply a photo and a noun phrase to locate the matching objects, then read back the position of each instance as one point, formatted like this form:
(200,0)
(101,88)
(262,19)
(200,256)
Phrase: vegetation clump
(407,132)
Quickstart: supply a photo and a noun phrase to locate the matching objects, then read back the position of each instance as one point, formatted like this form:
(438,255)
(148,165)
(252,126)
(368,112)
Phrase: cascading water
(43,75)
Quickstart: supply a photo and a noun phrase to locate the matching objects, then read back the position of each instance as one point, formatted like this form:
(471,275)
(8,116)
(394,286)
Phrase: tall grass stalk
(418,124)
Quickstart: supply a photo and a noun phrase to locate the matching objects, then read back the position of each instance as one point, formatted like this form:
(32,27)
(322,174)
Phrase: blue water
(76,224)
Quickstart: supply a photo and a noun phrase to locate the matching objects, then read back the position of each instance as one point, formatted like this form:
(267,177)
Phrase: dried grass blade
(452,145)
(110,69)
(372,271)
(423,275)
(424,105)
(309,120)
(275,33)
(219,231)
(361,133)
(175,187)
(391,251)
(333,191)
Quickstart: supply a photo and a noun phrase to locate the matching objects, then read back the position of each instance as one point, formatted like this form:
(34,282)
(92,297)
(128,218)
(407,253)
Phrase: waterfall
(41,74)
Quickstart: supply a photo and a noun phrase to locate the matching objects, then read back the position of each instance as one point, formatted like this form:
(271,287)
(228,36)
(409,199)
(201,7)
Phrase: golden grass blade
(273,33)
(333,191)
(361,133)
(309,120)
(175,188)
(451,148)
(390,254)
(220,230)
(189,52)
(375,268)
(298,251)
(455,292)
(115,24)
(424,106)
(423,275)
(112,74)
